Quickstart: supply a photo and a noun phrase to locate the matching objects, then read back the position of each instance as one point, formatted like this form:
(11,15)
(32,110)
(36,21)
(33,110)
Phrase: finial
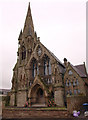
(38,38)
(35,34)
(65,62)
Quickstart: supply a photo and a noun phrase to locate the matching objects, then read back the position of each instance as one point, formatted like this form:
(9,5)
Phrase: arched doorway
(37,95)
(40,96)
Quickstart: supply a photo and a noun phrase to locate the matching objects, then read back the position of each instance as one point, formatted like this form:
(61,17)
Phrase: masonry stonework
(21,98)
(12,101)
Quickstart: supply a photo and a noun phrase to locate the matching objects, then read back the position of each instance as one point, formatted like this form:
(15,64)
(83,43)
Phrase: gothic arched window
(69,83)
(77,82)
(23,53)
(70,92)
(66,83)
(74,84)
(35,68)
(47,65)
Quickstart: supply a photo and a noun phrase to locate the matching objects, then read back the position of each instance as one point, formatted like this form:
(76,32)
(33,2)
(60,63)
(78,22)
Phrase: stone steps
(38,105)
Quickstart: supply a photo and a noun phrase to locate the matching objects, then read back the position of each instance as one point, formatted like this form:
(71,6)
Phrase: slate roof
(62,69)
(80,69)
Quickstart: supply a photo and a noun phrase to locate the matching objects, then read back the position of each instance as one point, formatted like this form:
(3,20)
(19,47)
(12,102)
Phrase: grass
(53,108)
(43,108)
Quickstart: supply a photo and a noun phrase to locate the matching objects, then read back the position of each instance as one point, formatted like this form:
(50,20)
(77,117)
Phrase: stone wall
(12,99)
(59,96)
(21,98)
(33,113)
(75,103)
(2,103)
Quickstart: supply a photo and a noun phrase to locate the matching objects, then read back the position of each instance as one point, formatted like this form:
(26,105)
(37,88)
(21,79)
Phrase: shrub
(26,104)
(51,103)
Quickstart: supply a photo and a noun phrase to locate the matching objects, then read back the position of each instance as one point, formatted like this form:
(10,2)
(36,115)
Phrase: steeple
(28,26)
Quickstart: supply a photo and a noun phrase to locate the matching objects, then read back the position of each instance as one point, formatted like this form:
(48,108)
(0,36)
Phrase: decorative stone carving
(39,51)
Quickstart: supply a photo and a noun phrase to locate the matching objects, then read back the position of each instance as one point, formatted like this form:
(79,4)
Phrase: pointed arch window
(30,83)
(67,92)
(77,82)
(23,53)
(78,91)
(67,83)
(45,68)
(74,84)
(70,72)
(35,68)
(49,67)
(70,92)
(75,92)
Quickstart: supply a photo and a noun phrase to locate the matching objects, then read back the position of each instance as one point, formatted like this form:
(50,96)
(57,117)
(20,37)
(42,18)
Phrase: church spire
(28,26)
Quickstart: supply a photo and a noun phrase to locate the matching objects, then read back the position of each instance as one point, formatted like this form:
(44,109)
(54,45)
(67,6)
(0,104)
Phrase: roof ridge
(79,65)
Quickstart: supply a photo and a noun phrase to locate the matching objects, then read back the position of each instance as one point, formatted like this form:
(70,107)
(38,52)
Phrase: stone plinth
(34,113)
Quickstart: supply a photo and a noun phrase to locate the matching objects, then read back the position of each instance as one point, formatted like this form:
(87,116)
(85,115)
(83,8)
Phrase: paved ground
(49,119)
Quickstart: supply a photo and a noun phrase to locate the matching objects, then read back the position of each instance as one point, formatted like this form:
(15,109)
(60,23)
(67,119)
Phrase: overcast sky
(60,24)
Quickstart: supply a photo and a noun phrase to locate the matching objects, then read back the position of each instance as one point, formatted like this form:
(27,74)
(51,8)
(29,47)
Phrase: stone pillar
(46,100)
(21,98)
(59,96)
(29,101)
(12,99)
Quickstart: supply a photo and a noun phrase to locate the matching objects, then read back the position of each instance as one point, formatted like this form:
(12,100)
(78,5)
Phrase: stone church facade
(39,75)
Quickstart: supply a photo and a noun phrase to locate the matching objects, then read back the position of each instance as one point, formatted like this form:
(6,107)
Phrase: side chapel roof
(80,70)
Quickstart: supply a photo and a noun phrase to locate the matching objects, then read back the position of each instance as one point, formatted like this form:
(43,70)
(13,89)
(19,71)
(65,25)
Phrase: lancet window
(23,53)
(47,66)
(35,68)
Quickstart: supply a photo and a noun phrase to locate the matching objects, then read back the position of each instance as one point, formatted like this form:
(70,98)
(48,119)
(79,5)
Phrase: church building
(39,76)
